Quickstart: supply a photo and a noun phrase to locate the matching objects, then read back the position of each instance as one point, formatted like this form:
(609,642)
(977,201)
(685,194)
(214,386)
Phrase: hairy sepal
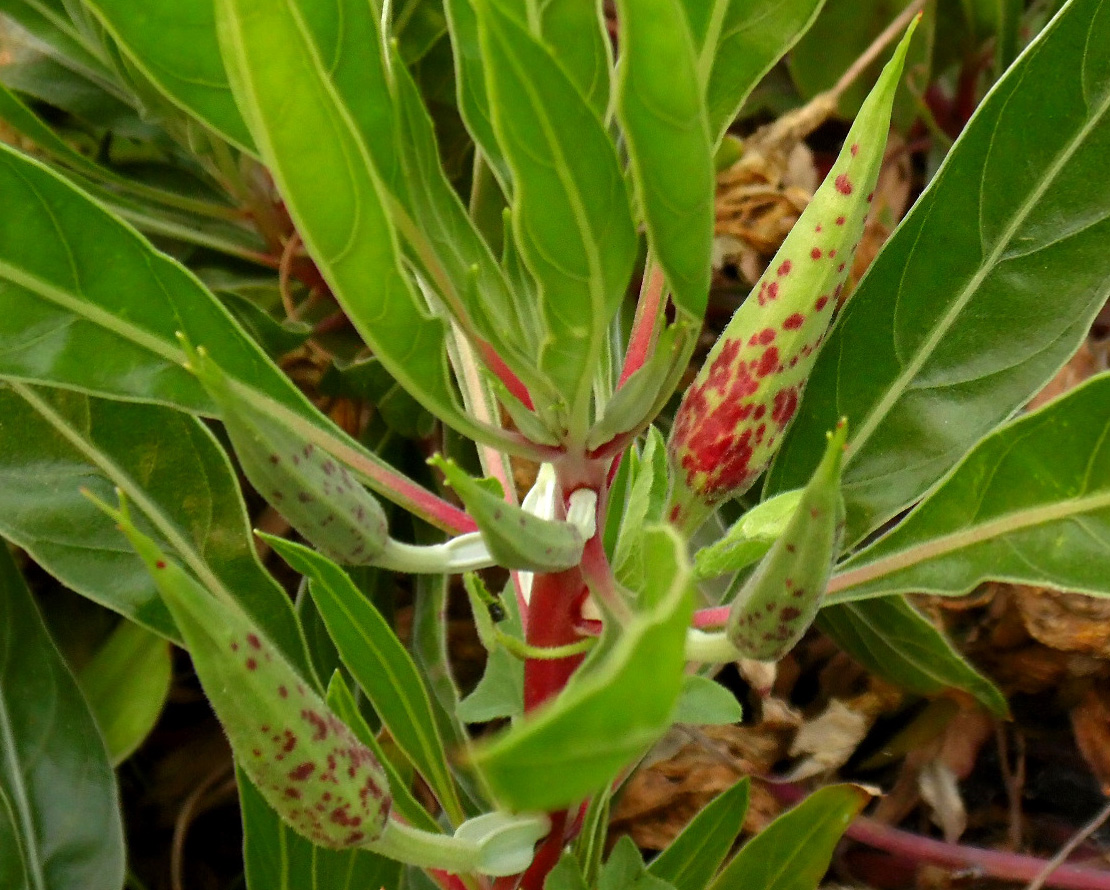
(308,765)
(735,414)
(305,484)
(778,603)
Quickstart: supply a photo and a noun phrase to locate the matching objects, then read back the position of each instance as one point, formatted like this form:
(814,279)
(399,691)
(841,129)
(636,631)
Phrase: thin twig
(285,268)
(877,46)
(1070,847)
(185,819)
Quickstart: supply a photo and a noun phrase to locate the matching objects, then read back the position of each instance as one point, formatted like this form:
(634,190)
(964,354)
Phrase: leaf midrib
(968,537)
(877,414)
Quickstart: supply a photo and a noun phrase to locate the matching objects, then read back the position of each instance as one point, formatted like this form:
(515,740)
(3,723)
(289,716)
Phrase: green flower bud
(305,484)
(780,600)
(735,414)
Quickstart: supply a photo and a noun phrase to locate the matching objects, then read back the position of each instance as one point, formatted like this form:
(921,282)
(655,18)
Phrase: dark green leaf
(53,756)
(612,710)
(793,852)
(985,290)
(1030,504)
(661,106)
(692,859)
(174,44)
(53,443)
(126,683)
(381,666)
(624,870)
(571,213)
(892,640)
(704,702)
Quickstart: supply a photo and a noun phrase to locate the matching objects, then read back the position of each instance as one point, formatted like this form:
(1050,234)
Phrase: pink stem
(990,863)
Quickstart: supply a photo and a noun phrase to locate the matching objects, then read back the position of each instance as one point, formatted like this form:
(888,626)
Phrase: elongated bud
(733,417)
(780,600)
(304,760)
(305,484)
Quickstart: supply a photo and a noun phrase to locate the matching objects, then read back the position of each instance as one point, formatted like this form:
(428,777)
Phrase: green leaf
(49,22)
(575,30)
(749,538)
(174,44)
(692,859)
(473,95)
(52,757)
(566,875)
(892,640)
(737,43)
(277,858)
(126,683)
(793,852)
(571,213)
(314,131)
(706,703)
(1030,504)
(624,870)
(612,709)
(661,106)
(380,664)
(88,304)
(515,538)
(647,497)
(53,443)
(951,331)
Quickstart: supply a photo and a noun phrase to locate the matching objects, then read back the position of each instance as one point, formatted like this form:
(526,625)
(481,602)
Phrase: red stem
(505,374)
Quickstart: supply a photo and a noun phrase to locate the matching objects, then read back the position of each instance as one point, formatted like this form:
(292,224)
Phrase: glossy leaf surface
(931,355)
(52,755)
(794,851)
(317,146)
(891,639)
(53,443)
(661,106)
(571,213)
(1030,504)
(379,663)
(691,860)
(575,29)
(612,710)
(173,42)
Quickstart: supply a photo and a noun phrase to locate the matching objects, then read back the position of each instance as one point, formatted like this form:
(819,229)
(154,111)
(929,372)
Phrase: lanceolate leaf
(53,443)
(610,712)
(173,42)
(571,212)
(86,303)
(1031,504)
(51,756)
(661,105)
(692,859)
(737,42)
(986,288)
(308,133)
(794,851)
(380,665)
(892,639)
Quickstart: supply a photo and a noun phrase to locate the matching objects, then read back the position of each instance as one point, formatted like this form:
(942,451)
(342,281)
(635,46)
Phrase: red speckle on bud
(252,664)
(822,301)
(784,268)
(855,149)
(793,322)
(840,220)
(815,253)
(844,184)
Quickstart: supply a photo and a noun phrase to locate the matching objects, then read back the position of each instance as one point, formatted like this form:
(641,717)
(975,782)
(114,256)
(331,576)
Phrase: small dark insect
(496,611)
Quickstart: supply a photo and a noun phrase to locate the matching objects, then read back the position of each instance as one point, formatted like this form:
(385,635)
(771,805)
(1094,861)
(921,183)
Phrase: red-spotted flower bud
(733,417)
